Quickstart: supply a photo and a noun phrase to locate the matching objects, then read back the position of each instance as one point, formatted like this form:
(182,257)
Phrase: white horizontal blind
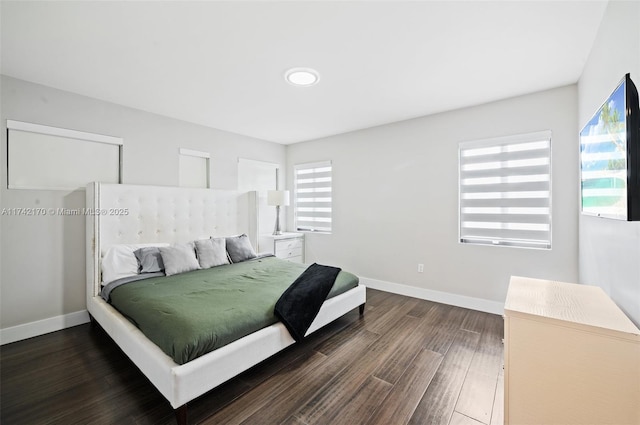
(505,191)
(313,196)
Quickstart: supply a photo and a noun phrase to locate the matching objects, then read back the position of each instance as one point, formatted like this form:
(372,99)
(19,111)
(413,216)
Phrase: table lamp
(277,198)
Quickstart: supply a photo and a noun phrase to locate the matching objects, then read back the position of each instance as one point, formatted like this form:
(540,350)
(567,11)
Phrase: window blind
(505,191)
(313,196)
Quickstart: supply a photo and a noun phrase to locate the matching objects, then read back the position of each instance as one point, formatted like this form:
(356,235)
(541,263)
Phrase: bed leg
(361,309)
(181,414)
(92,322)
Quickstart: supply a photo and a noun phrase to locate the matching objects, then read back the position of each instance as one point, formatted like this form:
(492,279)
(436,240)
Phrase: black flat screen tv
(610,157)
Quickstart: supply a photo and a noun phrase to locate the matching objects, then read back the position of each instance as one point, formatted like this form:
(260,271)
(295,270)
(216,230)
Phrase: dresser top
(579,305)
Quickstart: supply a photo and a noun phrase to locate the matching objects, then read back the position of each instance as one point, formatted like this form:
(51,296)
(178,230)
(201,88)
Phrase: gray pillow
(179,258)
(149,259)
(212,252)
(240,249)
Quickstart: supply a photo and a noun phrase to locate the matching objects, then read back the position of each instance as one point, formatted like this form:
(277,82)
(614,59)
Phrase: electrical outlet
(420,268)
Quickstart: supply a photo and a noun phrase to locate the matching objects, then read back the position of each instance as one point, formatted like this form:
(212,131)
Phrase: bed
(132,214)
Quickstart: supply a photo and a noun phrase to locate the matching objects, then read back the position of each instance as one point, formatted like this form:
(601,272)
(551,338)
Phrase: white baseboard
(41,327)
(479,304)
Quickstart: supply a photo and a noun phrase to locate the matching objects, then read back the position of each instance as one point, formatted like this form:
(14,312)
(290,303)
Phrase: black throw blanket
(300,303)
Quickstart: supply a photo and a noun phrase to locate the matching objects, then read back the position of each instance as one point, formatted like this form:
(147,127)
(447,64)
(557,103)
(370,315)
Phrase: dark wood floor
(407,361)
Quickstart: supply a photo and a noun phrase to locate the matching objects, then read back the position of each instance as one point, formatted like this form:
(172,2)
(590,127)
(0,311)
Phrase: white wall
(43,258)
(395,199)
(609,249)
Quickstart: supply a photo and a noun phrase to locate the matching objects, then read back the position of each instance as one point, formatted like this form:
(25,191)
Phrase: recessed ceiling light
(302,76)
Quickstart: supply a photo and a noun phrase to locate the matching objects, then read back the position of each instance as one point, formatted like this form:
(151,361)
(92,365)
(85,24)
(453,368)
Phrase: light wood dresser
(571,356)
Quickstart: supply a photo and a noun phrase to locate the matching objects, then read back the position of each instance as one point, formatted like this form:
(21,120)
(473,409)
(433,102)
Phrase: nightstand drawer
(296,259)
(288,244)
(285,252)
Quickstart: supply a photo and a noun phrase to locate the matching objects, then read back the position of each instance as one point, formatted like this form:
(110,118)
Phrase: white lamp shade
(278,198)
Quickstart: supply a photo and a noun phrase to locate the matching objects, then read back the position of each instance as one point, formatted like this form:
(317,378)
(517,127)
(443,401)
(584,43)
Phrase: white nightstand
(288,246)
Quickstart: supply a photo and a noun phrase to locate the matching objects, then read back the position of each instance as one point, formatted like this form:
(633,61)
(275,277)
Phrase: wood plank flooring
(406,361)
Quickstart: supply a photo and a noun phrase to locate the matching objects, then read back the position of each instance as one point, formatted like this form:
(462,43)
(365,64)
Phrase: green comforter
(191,314)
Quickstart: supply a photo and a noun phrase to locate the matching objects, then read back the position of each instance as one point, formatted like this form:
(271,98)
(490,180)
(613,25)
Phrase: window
(313,197)
(257,178)
(505,191)
(193,169)
(256,175)
(52,158)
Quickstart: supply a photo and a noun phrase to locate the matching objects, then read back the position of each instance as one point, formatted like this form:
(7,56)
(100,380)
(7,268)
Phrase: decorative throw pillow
(149,259)
(119,261)
(212,252)
(179,258)
(239,248)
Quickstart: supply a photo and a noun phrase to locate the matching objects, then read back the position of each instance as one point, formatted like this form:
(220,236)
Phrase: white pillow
(119,261)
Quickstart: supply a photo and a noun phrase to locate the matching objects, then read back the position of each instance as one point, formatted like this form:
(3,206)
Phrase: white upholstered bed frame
(170,214)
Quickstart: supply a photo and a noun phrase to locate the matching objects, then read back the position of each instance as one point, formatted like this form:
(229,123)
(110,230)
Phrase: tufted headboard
(134,214)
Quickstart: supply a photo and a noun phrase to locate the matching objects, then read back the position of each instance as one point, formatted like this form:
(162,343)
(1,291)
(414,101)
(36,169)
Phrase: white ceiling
(221,64)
